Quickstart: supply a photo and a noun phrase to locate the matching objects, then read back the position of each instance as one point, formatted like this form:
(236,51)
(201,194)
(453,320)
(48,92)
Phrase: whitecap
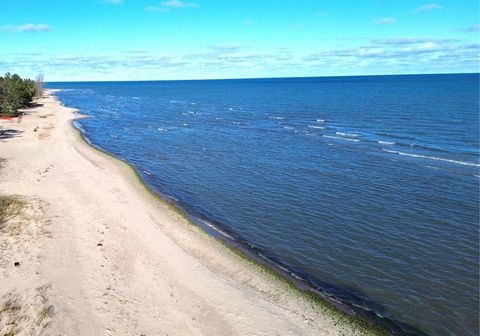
(386,143)
(320,120)
(348,134)
(316,127)
(432,158)
(432,167)
(340,138)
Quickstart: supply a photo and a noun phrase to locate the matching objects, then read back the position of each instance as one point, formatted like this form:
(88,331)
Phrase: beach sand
(87,250)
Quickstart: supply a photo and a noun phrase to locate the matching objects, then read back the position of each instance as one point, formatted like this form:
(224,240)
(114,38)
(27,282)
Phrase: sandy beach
(87,250)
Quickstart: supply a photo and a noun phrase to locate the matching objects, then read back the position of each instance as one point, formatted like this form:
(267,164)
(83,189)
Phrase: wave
(278,118)
(316,127)
(79,126)
(386,143)
(216,229)
(340,138)
(61,90)
(279,266)
(432,158)
(320,120)
(348,134)
(191,113)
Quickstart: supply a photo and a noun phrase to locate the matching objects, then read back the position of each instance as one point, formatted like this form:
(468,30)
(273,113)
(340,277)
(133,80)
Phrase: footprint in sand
(45,131)
(44,172)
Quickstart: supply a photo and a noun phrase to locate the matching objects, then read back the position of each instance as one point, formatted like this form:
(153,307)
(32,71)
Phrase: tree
(39,85)
(2,83)
(15,93)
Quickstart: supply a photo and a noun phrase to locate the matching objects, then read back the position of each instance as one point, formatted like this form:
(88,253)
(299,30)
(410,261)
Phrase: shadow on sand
(9,133)
(33,105)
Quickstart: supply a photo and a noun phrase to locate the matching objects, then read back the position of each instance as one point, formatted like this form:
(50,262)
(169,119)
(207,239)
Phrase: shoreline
(362,311)
(240,296)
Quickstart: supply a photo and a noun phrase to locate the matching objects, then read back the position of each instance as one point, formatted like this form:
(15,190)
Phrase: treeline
(16,93)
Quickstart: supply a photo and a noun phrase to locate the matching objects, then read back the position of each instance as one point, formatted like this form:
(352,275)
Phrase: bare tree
(39,85)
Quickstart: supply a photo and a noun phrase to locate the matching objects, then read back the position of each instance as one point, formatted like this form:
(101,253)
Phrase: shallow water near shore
(366,187)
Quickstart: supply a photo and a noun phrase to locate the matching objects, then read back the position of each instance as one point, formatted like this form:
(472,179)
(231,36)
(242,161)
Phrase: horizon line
(252,78)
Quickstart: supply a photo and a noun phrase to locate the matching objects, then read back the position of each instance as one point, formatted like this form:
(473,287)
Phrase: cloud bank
(404,54)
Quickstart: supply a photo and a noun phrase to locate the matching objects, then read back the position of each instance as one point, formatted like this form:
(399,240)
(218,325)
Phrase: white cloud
(154,9)
(178,4)
(167,6)
(428,8)
(385,21)
(29,27)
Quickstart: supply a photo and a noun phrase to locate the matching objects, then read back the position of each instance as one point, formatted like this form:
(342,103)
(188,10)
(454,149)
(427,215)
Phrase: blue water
(365,187)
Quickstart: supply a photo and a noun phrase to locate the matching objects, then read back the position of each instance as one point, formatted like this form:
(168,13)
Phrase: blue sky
(192,39)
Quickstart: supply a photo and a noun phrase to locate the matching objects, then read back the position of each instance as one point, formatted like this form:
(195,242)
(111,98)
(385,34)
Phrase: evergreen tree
(15,93)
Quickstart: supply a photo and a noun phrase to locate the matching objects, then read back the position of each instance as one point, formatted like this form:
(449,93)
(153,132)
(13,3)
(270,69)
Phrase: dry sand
(99,255)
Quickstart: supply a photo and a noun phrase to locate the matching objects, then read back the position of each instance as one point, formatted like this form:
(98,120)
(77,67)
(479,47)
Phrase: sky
(77,40)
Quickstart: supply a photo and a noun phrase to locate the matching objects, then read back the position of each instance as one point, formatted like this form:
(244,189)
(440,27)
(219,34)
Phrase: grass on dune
(10,206)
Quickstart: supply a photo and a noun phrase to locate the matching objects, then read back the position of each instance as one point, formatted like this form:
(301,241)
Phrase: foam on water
(432,158)
(213,227)
(348,134)
(340,138)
